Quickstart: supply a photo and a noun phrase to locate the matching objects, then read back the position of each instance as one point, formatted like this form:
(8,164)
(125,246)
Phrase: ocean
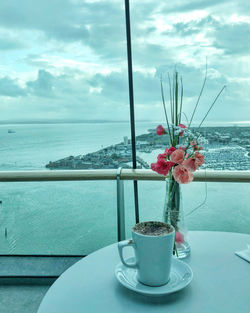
(80,217)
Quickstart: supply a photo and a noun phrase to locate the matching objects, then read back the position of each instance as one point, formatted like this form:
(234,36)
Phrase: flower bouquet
(181,158)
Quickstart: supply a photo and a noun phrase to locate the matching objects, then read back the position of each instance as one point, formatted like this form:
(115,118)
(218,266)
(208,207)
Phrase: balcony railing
(119,175)
(125,174)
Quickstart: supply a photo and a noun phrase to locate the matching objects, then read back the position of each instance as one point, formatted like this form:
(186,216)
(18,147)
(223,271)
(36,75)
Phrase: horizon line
(75,121)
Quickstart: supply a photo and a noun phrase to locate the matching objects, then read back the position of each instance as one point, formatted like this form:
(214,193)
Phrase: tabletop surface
(221,282)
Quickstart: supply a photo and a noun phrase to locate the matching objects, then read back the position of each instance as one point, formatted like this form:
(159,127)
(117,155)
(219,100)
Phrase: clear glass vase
(173,214)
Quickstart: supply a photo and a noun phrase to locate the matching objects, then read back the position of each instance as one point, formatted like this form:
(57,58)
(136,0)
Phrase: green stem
(211,106)
(176,98)
(170,95)
(202,88)
(181,102)
(173,100)
(165,111)
(172,209)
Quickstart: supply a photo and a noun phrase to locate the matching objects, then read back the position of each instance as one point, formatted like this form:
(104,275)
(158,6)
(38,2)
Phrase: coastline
(228,149)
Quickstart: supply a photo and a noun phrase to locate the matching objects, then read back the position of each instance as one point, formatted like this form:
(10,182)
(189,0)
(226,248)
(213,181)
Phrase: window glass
(65,218)
(183,36)
(206,206)
(64,105)
(63,84)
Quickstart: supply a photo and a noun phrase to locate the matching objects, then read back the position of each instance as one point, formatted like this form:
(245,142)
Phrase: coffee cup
(153,244)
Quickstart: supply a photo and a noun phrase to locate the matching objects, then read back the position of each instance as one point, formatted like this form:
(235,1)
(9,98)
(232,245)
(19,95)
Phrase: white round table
(221,282)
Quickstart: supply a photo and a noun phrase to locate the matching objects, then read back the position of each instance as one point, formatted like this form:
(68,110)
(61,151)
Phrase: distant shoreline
(38,122)
(229,149)
(61,122)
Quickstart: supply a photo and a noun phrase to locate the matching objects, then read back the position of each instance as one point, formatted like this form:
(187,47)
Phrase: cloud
(219,34)
(65,20)
(58,19)
(10,43)
(43,85)
(187,6)
(115,86)
(69,56)
(194,27)
(10,88)
(70,96)
(232,38)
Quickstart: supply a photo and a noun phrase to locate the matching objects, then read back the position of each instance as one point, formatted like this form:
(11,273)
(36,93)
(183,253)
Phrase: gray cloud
(58,19)
(187,6)
(99,25)
(221,35)
(194,27)
(152,55)
(68,96)
(192,82)
(10,88)
(10,43)
(43,85)
(72,97)
(233,38)
(115,86)
(68,29)
(34,60)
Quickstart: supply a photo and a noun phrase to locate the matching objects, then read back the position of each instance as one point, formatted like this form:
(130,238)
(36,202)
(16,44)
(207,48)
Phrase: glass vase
(173,214)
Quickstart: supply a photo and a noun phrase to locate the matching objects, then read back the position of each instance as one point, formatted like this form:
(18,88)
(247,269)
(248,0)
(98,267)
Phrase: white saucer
(180,276)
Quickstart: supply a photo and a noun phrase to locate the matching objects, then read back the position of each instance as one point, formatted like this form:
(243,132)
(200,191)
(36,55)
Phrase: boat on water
(11,131)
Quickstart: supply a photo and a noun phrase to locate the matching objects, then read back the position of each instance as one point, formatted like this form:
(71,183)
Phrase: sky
(67,59)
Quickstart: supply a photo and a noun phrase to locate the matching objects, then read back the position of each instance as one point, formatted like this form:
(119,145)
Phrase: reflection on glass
(63,84)
(214,206)
(74,218)
(182,36)
(63,93)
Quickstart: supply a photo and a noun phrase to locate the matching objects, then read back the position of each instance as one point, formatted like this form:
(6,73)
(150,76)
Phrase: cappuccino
(153,228)
(153,244)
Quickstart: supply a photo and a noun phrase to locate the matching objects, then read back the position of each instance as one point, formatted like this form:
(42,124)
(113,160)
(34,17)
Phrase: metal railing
(119,175)
(125,174)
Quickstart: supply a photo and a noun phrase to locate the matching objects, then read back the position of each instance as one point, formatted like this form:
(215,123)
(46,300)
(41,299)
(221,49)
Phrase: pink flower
(154,167)
(170,150)
(182,126)
(182,175)
(177,156)
(199,158)
(162,156)
(190,164)
(160,130)
(179,238)
(162,166)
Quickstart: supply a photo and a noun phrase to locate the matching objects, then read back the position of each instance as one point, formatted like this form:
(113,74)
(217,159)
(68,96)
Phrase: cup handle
(123,244)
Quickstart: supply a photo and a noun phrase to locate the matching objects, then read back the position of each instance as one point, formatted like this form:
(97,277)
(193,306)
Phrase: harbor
(228,149)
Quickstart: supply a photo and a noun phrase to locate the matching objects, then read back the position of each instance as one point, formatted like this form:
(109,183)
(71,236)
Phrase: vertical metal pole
(131,101)
(120,207)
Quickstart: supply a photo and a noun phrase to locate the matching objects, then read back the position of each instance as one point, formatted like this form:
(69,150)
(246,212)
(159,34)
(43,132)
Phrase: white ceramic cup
(153,255)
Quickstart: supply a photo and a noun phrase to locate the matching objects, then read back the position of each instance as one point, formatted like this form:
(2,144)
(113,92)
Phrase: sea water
(79,217)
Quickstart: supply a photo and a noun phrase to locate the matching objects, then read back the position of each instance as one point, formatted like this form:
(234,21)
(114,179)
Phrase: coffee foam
(152,228)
